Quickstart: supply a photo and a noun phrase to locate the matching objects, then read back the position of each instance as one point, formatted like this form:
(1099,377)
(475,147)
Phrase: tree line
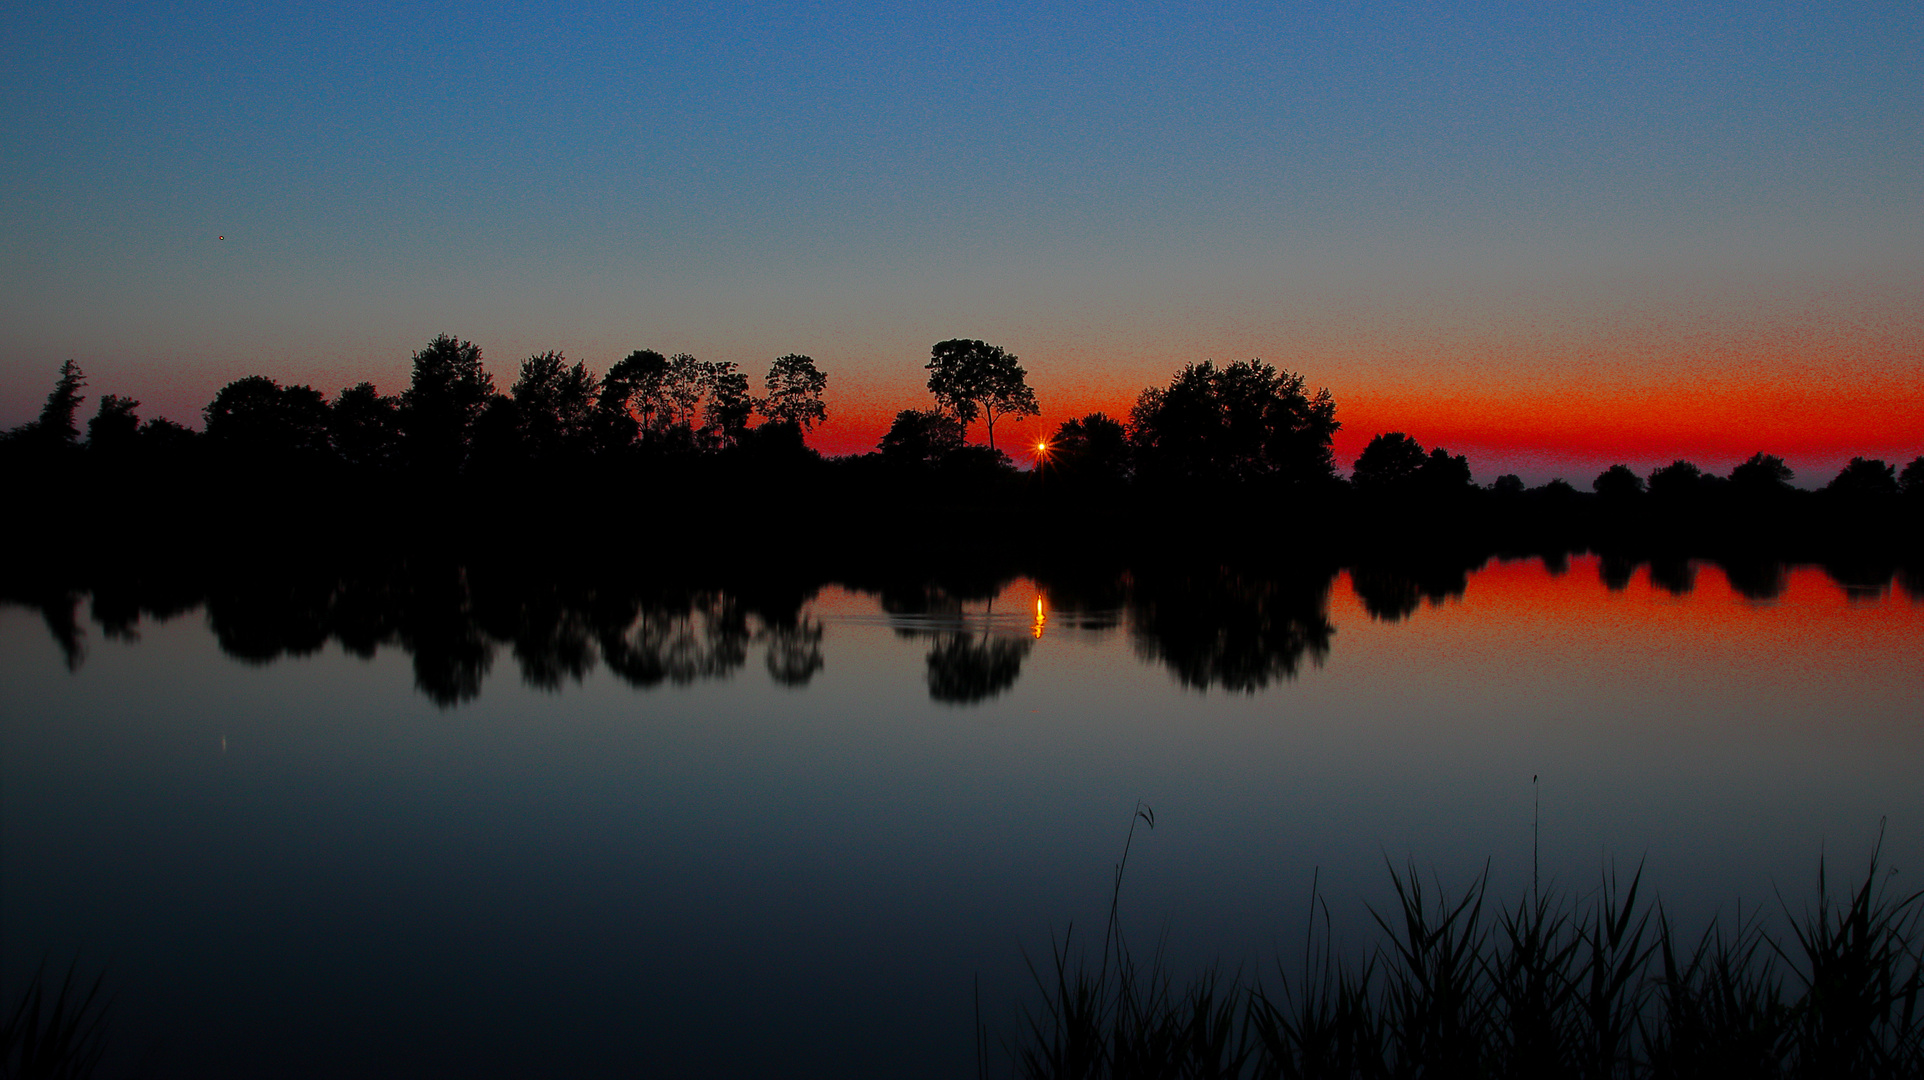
(1243,427)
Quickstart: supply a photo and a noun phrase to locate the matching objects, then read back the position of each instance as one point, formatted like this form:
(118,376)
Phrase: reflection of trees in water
(1615,570)
(1236,629)
(795,652)
(452,622)
(259,619)
(972,659)
(705,636)
(1754,578)
(1231,630)
(1392,591)
(60,609)
(1674,574)
(1861,578)
(964,669)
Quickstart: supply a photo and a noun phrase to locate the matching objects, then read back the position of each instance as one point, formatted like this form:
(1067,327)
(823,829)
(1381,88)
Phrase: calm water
(716,840)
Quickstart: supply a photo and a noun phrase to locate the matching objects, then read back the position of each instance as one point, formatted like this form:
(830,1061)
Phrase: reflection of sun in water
(1041,618)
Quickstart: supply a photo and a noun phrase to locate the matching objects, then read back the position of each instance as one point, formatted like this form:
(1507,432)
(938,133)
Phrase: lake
(436,825)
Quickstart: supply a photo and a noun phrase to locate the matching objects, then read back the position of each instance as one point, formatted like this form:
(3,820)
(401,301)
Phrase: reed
(1598,986)
(61,1039)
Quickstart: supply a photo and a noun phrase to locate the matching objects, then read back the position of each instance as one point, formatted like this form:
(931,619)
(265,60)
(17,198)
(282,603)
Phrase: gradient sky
(1547,236)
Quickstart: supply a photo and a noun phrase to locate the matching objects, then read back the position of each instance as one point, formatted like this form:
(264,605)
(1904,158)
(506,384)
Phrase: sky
(1547,236)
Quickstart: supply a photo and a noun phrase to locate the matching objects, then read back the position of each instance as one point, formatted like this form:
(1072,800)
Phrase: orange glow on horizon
(1717,423)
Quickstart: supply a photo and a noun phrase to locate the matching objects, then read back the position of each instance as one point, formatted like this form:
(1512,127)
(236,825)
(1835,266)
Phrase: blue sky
(1108,190)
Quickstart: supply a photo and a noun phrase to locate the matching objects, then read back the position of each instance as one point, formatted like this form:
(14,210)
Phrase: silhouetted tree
(1676,482)
(115,429)
(1911,480)
(442,403)
(54,429)
(364,427)
(555,406)
(1618,483)
(1240,423)
(1507,486)
(161,439)
(1762,473)
(921,438)
(1557,490)
(683,383)
(632,389)
(56,423)
(1391,463)
(728,406)
(1445,475)
(257,421)
(971,378)
(794,392)
(494,442)
(1092,450)
(1864,478)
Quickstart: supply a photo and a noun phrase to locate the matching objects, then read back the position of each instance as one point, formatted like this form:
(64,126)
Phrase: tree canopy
(1391,462)
(55,427)
(1762,473)
(1618,482)
(445,398)
(555,405)
(1242,422)
(257,420)
(919,437)
(795,389)
(972,378)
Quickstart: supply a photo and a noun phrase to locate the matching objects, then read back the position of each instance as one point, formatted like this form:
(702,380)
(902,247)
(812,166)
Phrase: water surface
(752,831)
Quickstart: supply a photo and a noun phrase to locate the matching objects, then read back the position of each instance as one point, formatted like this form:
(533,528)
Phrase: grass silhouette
(58,1040)
(1596,986)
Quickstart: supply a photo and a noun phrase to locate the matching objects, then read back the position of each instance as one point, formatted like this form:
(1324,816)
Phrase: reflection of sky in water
(306,863)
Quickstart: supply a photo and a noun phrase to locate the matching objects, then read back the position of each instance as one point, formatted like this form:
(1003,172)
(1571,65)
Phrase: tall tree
(445,398)
(683,384)
(55,426)
(726,411)
(633,388)
(795,389)
(974,378)
(555,403)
